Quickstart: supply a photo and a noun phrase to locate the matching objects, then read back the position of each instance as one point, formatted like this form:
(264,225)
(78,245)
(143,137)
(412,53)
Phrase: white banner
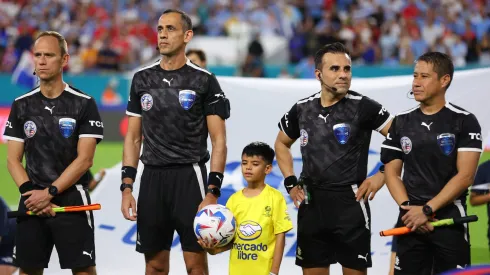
(256,107)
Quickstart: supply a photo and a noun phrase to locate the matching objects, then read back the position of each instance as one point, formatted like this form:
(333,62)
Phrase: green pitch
(110,153)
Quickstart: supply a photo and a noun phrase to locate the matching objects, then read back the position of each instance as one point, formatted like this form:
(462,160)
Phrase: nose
(343,74)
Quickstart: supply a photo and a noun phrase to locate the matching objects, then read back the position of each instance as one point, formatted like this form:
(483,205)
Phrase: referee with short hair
(57,128)
(174,104)
(438,145)
(334,128)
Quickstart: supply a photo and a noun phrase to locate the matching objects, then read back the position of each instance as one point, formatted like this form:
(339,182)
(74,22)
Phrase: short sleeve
(91,125)
(215,102)
(13,126)
(374,115)
(470,138)
(282,221)
(289,123)
(391,147)
(134,105)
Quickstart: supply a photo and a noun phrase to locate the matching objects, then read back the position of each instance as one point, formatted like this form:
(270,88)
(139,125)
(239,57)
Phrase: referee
(334,129)
(438,144)
(174,104)
(56,127)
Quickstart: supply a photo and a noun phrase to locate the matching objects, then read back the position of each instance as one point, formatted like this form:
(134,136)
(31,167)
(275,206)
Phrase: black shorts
(167,202)
(71,233)
(446,248)
(333,227)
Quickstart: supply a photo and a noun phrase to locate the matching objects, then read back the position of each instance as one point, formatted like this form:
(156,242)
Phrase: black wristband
(26,187)
(290,182)
(128,172)
(215,178)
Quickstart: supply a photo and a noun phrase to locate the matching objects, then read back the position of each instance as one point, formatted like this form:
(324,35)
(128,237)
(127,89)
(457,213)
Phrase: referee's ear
(188,36)
(318,75)
(445,80)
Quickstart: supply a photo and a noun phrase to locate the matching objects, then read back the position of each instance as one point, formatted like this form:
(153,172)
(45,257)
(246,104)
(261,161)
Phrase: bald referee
(174,104)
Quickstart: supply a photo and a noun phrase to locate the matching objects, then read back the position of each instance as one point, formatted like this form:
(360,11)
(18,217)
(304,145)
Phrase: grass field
(108,154)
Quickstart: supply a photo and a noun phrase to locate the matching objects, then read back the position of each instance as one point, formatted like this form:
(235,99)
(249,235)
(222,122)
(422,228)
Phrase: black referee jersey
(173,106)
(335,140)
(50,129)
(428,145)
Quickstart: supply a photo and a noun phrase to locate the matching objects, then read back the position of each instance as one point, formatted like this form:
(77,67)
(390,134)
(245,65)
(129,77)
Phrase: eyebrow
(338,67)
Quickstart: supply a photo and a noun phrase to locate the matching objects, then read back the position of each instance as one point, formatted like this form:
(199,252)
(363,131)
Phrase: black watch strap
(126,185)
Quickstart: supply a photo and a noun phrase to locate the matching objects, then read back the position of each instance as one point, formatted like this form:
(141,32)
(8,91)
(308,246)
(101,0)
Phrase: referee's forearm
(131,152)
(17,171)
(73,173)
(452,190)
(397,188)
(284,159)
(218,155)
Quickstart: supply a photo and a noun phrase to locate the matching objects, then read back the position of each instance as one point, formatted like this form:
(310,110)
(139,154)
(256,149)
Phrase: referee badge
(341,132)
(303,137)
(146,102)
(406,145)
(446,142)
(187,98)
(30,129)
(67,126)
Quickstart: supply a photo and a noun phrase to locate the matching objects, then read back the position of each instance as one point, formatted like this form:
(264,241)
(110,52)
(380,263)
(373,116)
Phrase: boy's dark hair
(336,47)
(441,64)
(186,20)
(198,52)
(260,149)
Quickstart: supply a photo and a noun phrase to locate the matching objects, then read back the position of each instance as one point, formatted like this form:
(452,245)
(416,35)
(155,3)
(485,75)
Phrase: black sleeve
(391,148)
(215,102)
(289,123)
(470,138)
(91,125)
(13,126)
(374,115)
(134,105)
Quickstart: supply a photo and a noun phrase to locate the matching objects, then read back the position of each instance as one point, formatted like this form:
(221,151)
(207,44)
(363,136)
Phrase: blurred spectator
(253,67)
(197,56)
(115,35)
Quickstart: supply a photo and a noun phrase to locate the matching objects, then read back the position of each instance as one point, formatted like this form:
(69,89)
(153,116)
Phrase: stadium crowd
(118,35)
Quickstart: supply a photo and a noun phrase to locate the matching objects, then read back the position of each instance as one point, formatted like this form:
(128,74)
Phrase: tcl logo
(96,123)
(476,136)
(8,124)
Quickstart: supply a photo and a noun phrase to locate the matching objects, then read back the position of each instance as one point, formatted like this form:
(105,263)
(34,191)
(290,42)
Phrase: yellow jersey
(258,220)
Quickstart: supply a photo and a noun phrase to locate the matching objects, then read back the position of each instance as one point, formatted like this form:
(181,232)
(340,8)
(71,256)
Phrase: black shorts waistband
(172,166)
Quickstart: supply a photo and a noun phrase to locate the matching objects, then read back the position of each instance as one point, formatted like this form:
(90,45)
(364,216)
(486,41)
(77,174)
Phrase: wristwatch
(215,191)
(53,190)
(126,185)
(427,210)
(382,169)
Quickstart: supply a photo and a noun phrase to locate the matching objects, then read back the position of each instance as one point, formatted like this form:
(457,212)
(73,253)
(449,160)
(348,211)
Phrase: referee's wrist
(290,182)
(26,187)
(216,179)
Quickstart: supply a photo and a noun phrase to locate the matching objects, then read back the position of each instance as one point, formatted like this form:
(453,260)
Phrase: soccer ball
(215,224)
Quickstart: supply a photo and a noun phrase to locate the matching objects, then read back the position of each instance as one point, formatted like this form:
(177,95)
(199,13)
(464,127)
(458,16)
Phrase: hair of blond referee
(61,40)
